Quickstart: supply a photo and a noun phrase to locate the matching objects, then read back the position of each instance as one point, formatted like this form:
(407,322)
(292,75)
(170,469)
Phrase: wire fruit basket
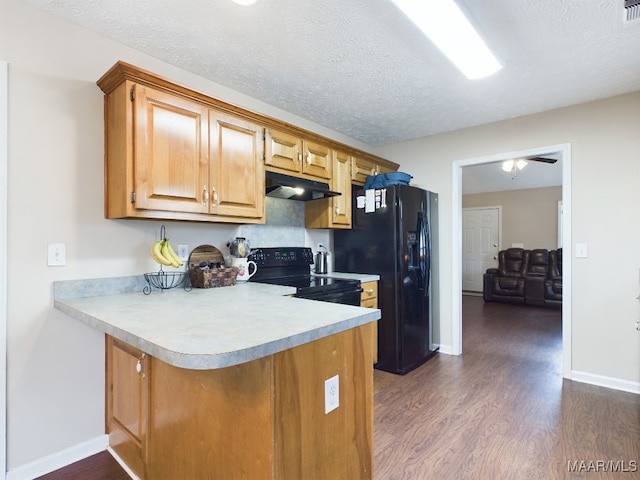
(163,281)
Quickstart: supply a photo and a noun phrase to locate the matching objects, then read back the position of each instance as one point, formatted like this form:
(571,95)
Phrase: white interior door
(480,244)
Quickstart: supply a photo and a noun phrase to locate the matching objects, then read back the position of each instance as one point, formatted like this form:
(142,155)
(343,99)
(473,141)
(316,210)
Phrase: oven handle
(323,296)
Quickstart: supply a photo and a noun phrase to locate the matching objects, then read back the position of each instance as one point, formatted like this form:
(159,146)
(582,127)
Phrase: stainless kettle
(322,260)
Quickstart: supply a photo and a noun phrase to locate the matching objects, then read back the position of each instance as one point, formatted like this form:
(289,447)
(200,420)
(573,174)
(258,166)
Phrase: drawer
(369,303)
(369,293)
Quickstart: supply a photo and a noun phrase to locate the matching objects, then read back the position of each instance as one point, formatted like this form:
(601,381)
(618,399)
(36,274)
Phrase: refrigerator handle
(424,249)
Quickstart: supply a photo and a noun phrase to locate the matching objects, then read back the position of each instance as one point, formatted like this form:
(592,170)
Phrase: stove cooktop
(309,281)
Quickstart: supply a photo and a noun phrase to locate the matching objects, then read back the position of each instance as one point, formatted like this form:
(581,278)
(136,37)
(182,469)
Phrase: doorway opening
(564,152)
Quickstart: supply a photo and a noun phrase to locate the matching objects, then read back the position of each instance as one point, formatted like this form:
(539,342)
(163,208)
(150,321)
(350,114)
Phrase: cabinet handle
(299,157)
(139,365)
(214,197)
(369,291)
(337,211)
(308,158)
(205,196)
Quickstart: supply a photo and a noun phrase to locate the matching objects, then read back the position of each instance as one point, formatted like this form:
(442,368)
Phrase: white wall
(605,149)
(55,376)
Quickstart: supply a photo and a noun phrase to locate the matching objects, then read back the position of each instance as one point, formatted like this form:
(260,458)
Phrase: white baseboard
(608,382)
(58,460)
(446,349)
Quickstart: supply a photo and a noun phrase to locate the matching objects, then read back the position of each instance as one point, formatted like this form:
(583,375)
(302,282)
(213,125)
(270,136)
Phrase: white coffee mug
(244,266)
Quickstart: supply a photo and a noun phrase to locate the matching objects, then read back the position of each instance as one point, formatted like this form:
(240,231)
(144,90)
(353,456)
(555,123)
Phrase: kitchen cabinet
(362,167)
(170,155)
(369,299)
(333,212)
(294,155)
(236,173)
(369,295)
(263,419)
(173,153)
(128,379)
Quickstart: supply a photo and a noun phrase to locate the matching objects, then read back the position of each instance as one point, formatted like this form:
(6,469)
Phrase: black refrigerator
(394,235)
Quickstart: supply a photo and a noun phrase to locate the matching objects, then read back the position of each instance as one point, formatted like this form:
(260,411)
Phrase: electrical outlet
(183,252)
(331,394)
(57,255)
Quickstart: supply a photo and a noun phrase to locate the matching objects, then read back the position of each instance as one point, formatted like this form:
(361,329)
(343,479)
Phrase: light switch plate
(581,250)
(57,255)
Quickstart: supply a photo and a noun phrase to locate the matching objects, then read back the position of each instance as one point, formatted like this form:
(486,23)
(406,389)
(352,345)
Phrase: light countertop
(207,328)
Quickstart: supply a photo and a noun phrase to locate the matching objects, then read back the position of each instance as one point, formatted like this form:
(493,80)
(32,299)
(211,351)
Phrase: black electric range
(291,266)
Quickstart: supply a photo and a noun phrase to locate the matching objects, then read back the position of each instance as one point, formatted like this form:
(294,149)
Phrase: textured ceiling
(361,68)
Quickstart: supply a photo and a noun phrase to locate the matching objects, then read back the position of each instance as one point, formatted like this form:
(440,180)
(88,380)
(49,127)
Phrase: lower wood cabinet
(369,299)
(262,419)
(128,381)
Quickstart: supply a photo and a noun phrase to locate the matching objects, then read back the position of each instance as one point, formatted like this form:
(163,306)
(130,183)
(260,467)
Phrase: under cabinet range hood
(293,188)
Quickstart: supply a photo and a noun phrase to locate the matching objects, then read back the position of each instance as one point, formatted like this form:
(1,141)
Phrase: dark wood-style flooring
(500,411)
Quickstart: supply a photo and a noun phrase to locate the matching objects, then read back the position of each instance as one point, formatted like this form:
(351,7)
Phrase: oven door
(346,297)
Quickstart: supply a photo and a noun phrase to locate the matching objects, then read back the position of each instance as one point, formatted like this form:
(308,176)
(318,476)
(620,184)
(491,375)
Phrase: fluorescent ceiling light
(447,27)
(245,2)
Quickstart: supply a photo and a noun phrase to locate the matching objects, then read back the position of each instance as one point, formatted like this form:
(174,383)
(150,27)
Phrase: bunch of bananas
(163,253)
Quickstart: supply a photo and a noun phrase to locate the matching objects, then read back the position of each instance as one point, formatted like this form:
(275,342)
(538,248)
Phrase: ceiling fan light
(445,25)
(507,165)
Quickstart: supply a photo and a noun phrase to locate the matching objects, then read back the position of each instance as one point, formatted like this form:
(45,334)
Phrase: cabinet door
(128,380)
(341,182)
(236,175)
(317,160)
(361,169)
(283,151)
(170,152)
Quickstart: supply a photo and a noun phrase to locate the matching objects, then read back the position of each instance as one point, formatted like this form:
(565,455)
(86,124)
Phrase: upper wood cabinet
(171,156)
(333,212)
(295,155)
(170,153)
(362,167)
(173,153)
(236,172)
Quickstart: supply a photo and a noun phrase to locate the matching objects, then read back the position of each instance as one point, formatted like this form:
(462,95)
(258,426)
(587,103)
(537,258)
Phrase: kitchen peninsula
(230,382)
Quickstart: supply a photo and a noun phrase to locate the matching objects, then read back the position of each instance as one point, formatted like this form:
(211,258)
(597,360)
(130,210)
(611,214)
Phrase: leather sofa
(525,277)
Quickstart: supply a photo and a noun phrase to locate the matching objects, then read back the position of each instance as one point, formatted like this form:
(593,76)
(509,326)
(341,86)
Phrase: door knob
(495,258)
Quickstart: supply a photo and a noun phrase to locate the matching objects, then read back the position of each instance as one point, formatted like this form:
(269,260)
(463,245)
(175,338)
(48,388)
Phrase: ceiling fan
(541,159)
(512,166)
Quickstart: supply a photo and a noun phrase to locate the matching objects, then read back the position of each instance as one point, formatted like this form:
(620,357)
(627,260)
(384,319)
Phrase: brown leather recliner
(506,283)
(535,276)
(553,283)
